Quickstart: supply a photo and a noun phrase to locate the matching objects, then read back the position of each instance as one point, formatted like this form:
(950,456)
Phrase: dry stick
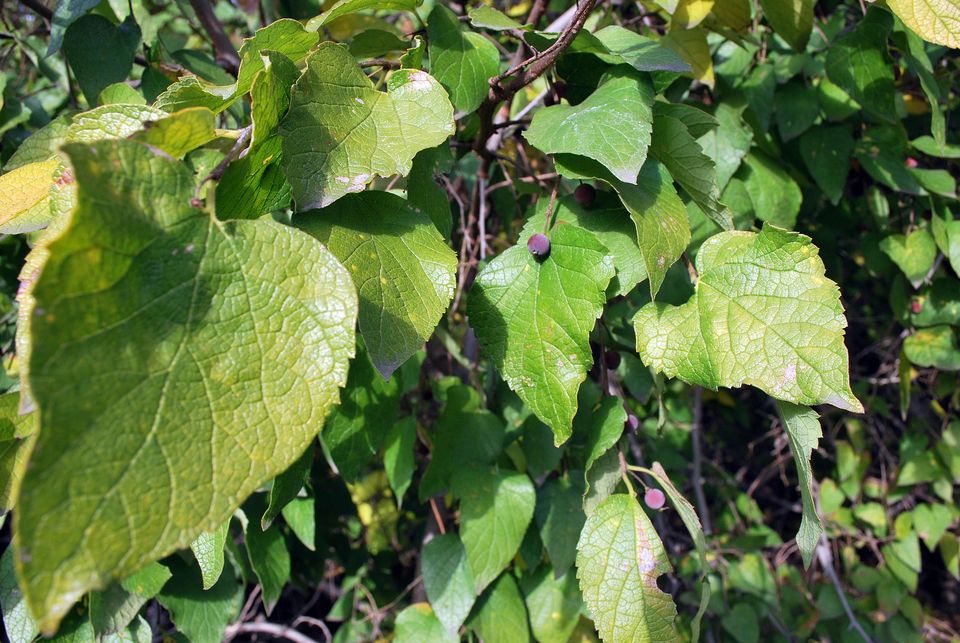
(436,516)
(826,560)
(482,215)
(238,148)
(226,55)
(696,429)
(317,623)
(275,630)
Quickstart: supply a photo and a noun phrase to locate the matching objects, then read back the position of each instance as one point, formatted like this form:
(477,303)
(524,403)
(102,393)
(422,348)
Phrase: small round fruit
(539,246)
(632,423)
(612,360)
(654,498)
(915,306)
(585,194)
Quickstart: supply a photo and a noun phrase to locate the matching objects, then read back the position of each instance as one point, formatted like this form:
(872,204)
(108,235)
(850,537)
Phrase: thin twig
(696,429)
(381,62)
(275,630)
(482,216)
(691,269)
(436,516)
(38,8)
(235,152)
(317,623)
(226,55)
(825,557)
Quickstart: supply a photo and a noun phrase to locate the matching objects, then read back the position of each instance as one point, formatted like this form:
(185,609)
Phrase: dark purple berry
(632,423)
(585,194)
(560,89)
(611,359)
(654,498)
(539,246)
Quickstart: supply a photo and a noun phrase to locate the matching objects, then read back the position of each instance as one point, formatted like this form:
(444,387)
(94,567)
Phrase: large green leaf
(859,63)
(403,270)
(553,604)
(268,554)
(775,196)
(533,320)
(25,196)
(356,132)
(501,616)
(559,514)
(660,219)
(934,347)
(645,54)
(418,623)
(64,15)
(495,509)
(196,362)
(115,608)
(619,559)
(803,429)
(791,19)
(693,170)
(448,580)
(729,143)
(461,60)
(763,313)
(612,126)
(826,152)
(100,53)
(346,7)
(201,615)
(934,20)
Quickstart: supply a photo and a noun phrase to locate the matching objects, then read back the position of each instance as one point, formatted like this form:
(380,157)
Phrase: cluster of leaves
(509,258)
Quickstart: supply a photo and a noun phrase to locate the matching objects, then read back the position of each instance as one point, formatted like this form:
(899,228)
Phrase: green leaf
(121,93)
(693,170)
(765,294)
(288,485)
(602,479)
(913,253)
(270,95)
(609,223)
(660,219)
(796,109)
(41,145)
(742,623)
(559,514)
(448,580)
(403,270)
(180,132)
(553,604)
(357,131)
(486,17)
(269,557)
(301,517)
(692,522)
(924,144)
(462,436)
(501,616)
(729,143)
(201,615)
(946,233)
(152,299)
(882,153)
(461,60)
(606,427)
(112,610)
(100,53)
(418,623)
(110,121)
(775,196)
(802,425)
(533,320)
(17,436)
(423,192)
(286,37)
(937,21)
(25,196)
(902,558)
(644,54)
(619,559)
(697,121)
(17,621)
(859,63)
(254,185)
(931,522)
(826,152)
(791,19)
(495,509)
(346,7)
(612,126)
(65,14)
(356,429)
(398,456)
(208,550)
(934,347)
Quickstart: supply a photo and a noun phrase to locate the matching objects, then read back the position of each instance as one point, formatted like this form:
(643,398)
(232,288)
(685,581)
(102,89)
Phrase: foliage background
(806,140)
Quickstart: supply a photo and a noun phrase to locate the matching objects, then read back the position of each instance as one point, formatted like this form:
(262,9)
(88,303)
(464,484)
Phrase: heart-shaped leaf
(341,132)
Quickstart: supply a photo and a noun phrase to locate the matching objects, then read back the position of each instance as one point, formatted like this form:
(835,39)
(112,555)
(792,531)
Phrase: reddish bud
(911,162)
(654,498)
(916,307)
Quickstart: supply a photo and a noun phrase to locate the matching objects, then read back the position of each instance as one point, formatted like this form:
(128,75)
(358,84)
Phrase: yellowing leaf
(167,393)
(691,45)
(763,314)
(24,197)
(690,13)
(935,20)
